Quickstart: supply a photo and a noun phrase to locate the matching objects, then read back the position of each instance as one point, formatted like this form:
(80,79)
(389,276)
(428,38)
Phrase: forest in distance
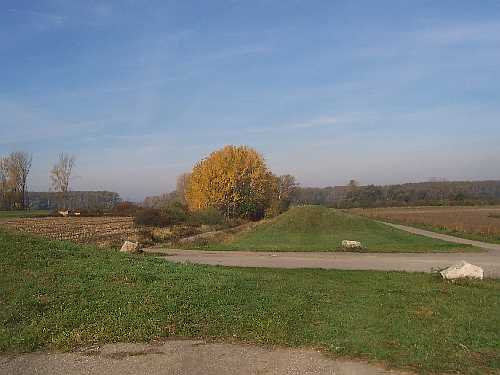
(410,194)
(433,193)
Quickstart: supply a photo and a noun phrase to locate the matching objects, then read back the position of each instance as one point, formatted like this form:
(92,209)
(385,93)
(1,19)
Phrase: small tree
(60,174)
(234,180)
(287,186)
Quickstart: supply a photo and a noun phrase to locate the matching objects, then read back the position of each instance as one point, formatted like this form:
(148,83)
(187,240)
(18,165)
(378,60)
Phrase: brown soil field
(477,222)
(101,231)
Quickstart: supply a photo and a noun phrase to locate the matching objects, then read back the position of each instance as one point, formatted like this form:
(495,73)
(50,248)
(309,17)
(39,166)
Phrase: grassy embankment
(316,228)
(61,295)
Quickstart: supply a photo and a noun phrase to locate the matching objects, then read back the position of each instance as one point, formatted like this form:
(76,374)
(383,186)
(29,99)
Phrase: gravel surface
(189,357)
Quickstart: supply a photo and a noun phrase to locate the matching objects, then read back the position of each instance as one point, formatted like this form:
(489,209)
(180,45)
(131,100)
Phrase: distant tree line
(236,182)
(73,200)
(410,194)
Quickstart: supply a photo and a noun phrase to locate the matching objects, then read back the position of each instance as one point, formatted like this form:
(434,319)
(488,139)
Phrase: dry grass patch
(479,223)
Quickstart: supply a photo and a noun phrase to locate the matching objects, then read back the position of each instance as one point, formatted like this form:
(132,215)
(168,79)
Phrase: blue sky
(379,91)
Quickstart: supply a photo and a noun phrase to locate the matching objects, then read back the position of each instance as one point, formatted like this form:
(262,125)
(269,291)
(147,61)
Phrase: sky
(378,91)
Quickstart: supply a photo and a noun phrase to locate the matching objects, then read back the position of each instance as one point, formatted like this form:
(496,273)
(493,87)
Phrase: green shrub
(208,216)
(151,217)
(176,213)
(125,209)
(276,207)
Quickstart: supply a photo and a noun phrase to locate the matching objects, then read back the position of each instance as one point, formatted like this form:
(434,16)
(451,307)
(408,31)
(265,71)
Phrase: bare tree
(3,183)
(182,182)
(287,185)
(9,182)
(353,184)
(14,171)
(21,166)
(60,174)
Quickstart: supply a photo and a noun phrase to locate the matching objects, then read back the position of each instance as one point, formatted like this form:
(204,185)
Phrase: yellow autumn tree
(235,180)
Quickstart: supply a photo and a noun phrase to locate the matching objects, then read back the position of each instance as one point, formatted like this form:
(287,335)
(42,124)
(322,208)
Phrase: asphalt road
(489,259)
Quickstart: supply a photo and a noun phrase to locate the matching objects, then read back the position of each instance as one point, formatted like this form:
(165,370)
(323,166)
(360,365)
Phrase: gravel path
(185,357)
(489,260)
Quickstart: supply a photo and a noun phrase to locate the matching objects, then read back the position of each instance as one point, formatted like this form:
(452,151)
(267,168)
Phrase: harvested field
(100,231)
(480,223)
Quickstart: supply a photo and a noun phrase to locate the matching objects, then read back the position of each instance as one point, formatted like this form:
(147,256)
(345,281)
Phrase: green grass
(21,213)
(316,228)
(58,295)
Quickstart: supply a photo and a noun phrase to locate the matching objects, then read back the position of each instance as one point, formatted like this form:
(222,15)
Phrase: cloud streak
(317,122)
(145,91)
(41,21)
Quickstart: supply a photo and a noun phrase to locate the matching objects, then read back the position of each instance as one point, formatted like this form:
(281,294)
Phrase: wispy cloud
(23,124)
(103,10)
(41,21)
(235,52)
(430,39)
(460,33)
(317,122)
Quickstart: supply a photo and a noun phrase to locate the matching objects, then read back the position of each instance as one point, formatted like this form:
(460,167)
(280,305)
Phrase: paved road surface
(489,260)
(185,357)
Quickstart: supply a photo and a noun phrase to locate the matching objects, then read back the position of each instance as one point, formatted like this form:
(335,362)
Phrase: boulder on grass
(462,270)
(346,244)
(130,247)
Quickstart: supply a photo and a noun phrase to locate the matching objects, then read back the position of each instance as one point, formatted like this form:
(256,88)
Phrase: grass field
(316,228)
(480,223)
(21,213)
(62,295)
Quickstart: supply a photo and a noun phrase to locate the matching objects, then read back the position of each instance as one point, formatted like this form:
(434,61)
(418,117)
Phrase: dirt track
(185,357)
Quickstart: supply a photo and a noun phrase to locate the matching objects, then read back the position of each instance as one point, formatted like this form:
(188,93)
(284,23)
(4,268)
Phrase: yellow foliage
(234,180)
